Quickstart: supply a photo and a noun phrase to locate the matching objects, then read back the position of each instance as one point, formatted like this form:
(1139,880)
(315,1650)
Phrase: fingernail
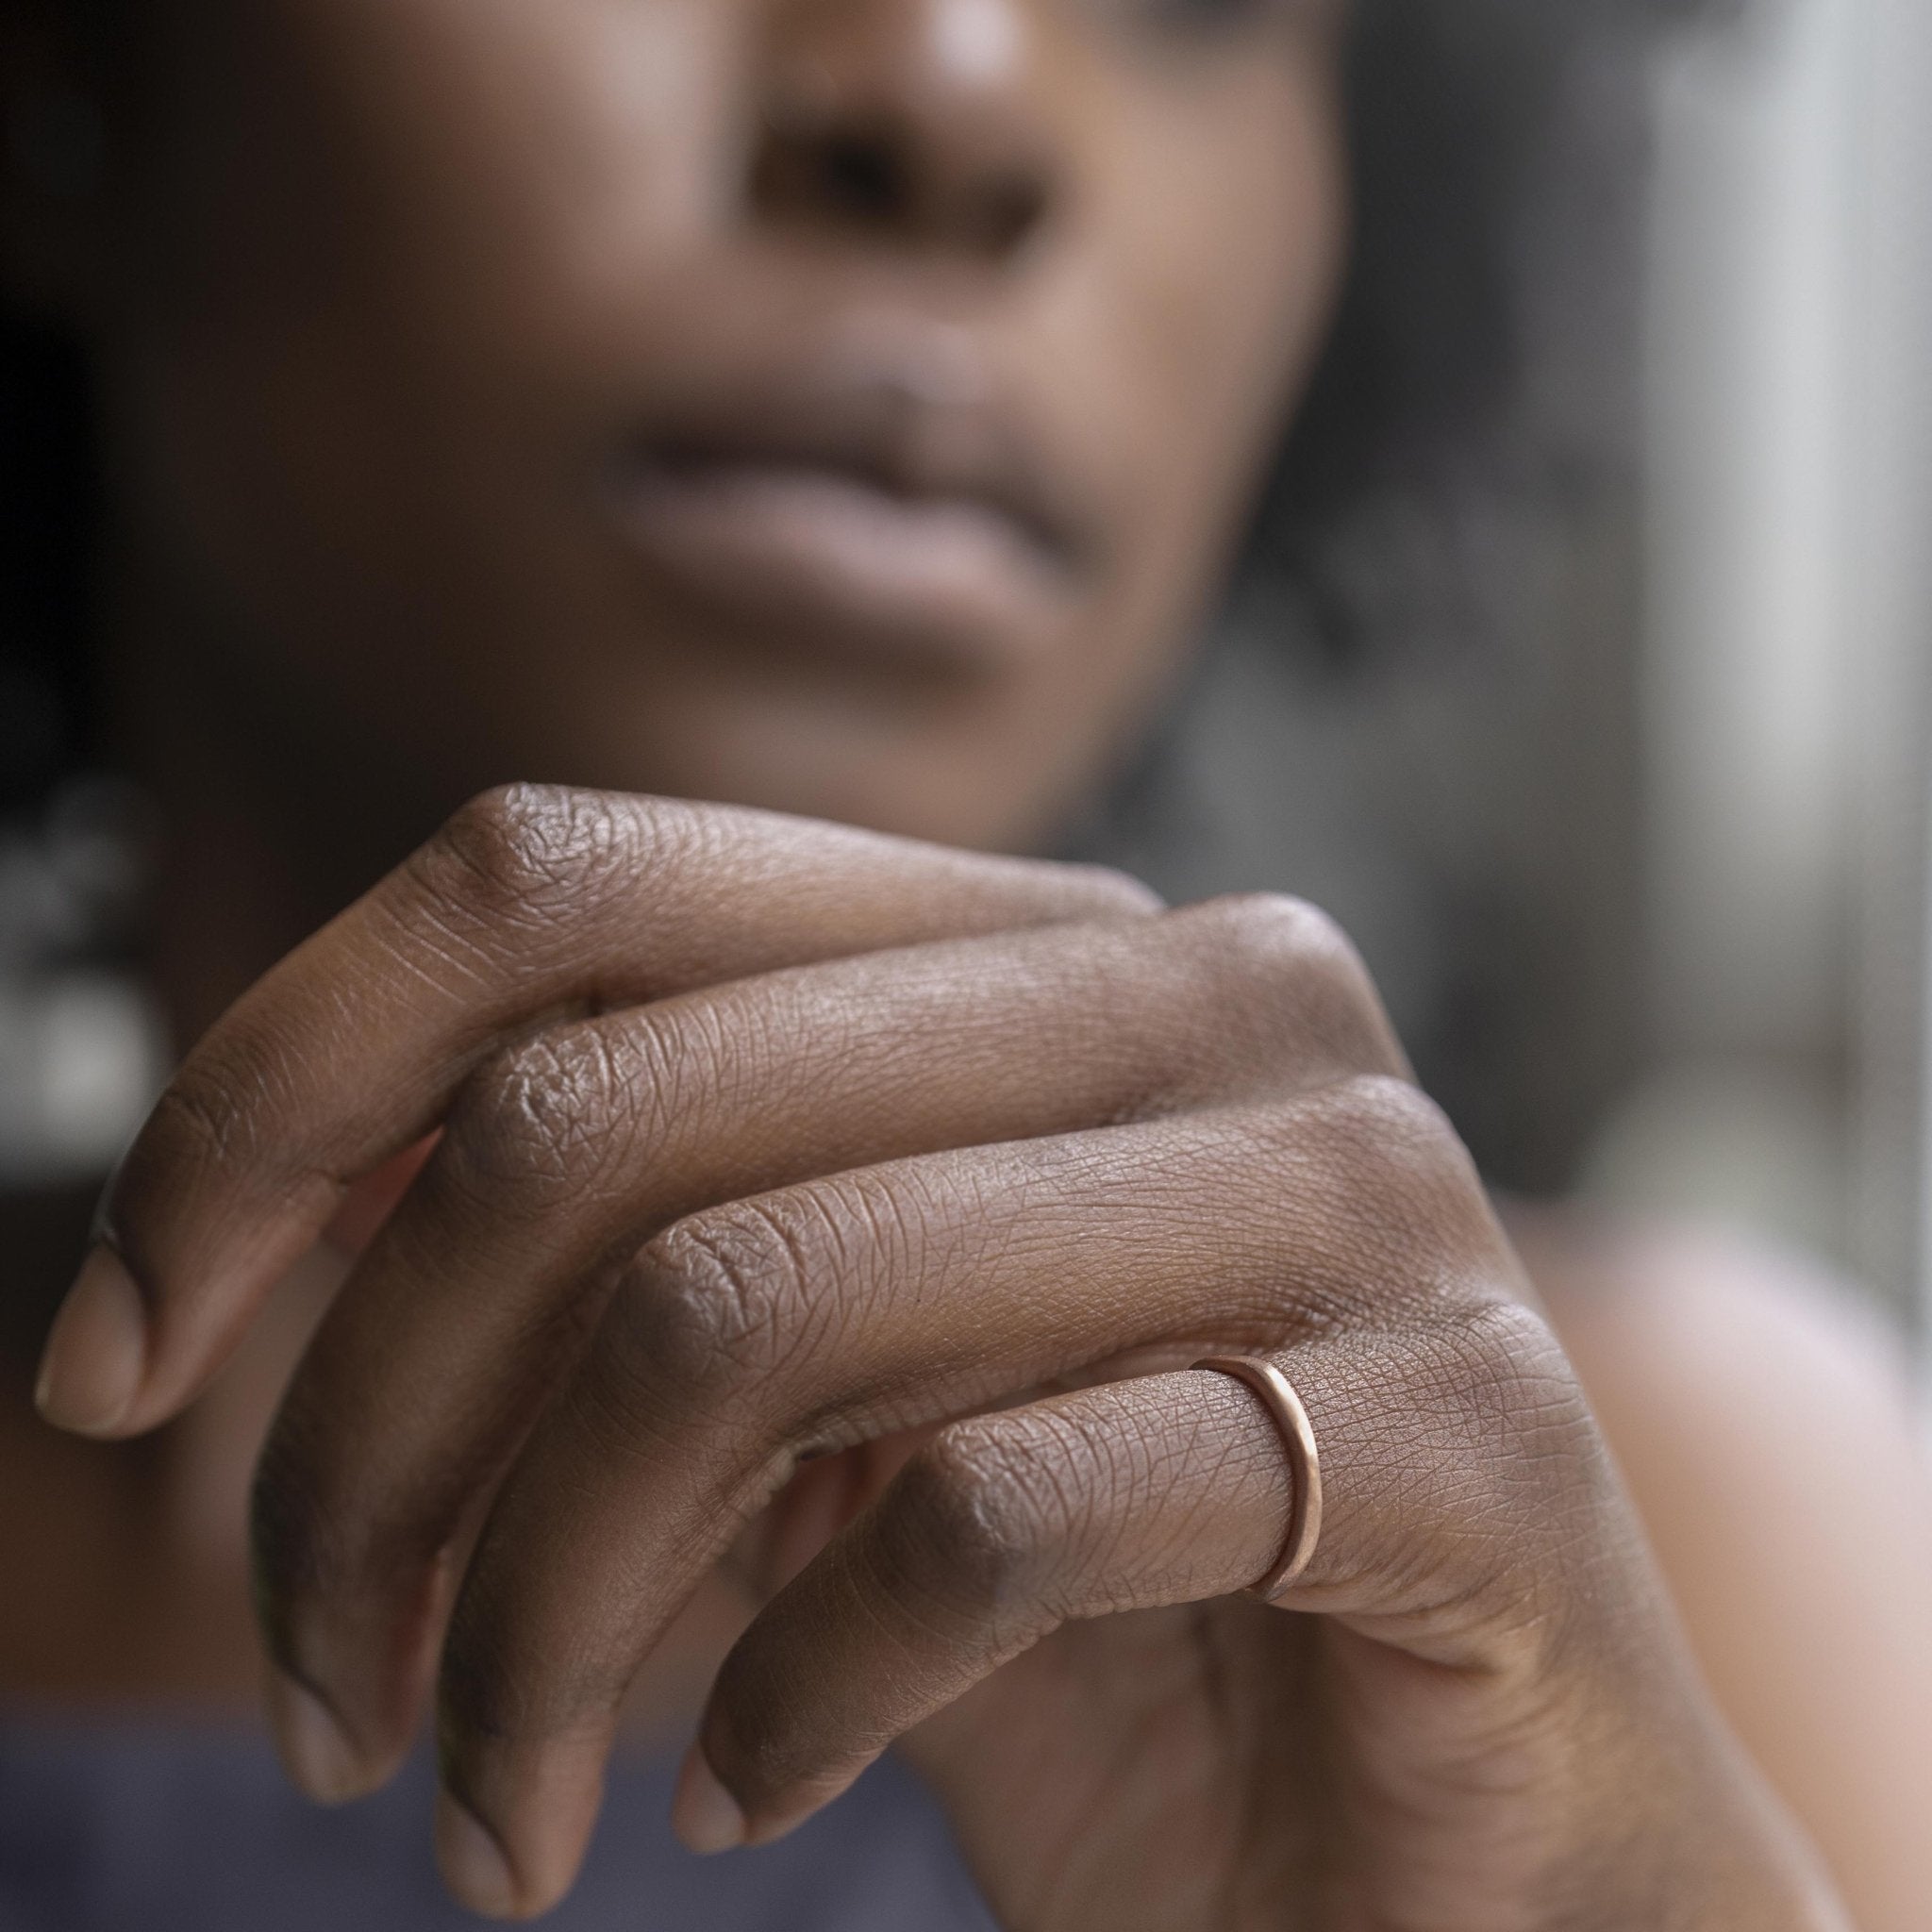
(704,1814)
(97,1355)
(316,1752)
(473,1863)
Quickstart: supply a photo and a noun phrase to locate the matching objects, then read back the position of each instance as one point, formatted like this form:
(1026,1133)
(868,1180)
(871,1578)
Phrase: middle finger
(910,1294)
(566,1155)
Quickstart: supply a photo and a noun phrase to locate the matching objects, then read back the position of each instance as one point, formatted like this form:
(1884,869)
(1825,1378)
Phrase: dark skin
(838,407)
(414,418)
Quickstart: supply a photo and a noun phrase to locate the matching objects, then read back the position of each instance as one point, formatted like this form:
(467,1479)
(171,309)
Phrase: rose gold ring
(1304,1459)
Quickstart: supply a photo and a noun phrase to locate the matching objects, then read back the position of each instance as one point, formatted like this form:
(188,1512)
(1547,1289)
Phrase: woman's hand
(768,1147)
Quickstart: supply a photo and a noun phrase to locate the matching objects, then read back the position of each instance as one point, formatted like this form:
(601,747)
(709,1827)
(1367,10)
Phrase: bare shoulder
(1766,1421)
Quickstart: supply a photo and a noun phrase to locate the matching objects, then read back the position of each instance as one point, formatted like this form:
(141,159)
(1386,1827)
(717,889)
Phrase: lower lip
(818,558)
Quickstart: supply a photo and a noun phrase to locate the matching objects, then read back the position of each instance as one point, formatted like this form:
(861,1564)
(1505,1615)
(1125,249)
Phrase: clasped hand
(787,1174)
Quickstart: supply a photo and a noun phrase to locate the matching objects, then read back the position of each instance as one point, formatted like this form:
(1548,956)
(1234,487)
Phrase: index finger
(530,905)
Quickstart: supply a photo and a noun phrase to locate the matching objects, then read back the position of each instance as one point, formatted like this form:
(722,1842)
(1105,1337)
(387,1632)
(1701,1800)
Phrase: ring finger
(572,1150)
(844,1309)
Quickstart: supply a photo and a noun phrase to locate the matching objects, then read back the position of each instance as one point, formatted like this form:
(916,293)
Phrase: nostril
(865,177)
(850,176)
(942,178)
(928,127)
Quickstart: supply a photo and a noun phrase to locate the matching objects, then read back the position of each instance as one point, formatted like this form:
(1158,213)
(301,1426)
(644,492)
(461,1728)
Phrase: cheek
(1194,301)
(389,236)
(412,253)
(1225,220)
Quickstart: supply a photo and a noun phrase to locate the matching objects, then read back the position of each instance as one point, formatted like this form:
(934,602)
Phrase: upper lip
(884,431)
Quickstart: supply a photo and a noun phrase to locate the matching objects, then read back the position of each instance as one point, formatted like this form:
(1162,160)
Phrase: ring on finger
(1291,1417)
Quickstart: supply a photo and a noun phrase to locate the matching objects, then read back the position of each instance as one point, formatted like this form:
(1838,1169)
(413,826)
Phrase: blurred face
(843,405)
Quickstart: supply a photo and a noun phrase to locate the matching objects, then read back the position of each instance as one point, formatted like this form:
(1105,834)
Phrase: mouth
(866,526)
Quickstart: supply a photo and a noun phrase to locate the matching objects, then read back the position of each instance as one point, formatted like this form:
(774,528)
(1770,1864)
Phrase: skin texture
(713,1199)
(439,277)
(735,1194)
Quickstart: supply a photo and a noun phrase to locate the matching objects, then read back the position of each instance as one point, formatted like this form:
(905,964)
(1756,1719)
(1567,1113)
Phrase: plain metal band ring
(1305,1465)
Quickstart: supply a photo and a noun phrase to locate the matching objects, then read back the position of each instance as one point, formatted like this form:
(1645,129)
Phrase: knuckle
(1385,1111)
(1399,1144)
(1268,921)
(716,1302)
(1388,1217)
(1519,1380)
(983,1523)
(1287,968)
(522,848)
(1489,1508)
(1513,1456)
(543,1120)
(1273,933)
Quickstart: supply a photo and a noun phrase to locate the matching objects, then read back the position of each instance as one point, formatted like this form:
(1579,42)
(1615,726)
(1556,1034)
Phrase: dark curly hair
(1448,525)
(1422,706)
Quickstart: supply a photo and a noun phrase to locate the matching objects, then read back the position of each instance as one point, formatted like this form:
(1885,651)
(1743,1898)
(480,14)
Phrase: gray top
(121,1829)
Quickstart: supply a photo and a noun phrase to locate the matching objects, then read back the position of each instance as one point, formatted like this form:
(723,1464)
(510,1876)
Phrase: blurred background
(1632,823)
(1637,838)
(1787,612)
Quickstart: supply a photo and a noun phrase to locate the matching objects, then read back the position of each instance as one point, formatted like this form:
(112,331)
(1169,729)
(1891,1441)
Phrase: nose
(915,122)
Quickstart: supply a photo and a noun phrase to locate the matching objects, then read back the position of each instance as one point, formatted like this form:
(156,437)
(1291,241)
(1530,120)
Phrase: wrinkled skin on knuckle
(1566,1630)
(583,1108)
(1522,1382)
(1370,1209)
(1553,1466)
(712,1306)
(529,857)
(541,1124)
(983,1525)
(1396,1155)
(1501,1477)
(1285,978)
(1395,1124)
(756,1302)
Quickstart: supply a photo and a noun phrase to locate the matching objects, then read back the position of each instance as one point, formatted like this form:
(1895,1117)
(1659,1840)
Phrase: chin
(960,762)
